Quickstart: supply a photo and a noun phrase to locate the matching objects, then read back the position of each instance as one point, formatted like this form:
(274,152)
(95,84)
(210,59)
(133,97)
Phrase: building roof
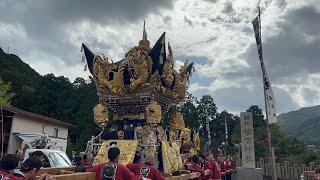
(36,117)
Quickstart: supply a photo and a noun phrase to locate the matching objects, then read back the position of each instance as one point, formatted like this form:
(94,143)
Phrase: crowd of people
(28,169)
(134,171)
(12,168)
(209,168)
(206,166)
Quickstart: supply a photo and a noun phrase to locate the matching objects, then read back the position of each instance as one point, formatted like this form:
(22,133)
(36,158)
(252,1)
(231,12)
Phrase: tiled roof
(36,117)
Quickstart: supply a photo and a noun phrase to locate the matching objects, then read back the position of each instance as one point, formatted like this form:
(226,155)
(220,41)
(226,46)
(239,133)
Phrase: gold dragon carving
(167,75)
(170,75)
(179,90)
(101,72)
(139,65)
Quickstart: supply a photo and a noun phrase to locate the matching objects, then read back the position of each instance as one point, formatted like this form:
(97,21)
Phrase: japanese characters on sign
(247,140)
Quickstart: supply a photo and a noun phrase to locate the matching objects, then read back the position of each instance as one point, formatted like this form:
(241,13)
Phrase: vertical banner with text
(269,97)
(247,140)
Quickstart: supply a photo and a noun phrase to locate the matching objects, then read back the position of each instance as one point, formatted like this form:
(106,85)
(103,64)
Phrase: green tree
(23,80)
(232,123)
(258,117)
(277,135)
(207,109)
(86,98)
(5,94)
(190,113)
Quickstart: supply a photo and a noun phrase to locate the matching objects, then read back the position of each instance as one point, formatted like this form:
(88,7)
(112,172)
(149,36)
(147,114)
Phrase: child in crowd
(317,175)
(78,162)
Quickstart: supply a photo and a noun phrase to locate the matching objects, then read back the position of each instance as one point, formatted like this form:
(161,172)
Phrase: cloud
(188,21)
(290,51)
(56,12)
(215,34)
(228,8)
(46,24)
(167,19)
(295,49)
(212,1)
(48,34)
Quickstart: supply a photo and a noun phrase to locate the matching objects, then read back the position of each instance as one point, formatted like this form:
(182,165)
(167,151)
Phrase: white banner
(269,97)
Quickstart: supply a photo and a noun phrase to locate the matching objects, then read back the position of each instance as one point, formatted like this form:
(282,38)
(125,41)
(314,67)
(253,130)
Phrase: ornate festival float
(139,89)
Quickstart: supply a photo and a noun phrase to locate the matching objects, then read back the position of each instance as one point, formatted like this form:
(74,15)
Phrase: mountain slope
(52,96)
(24,80)
(303,124)
(13,69)
(308,131)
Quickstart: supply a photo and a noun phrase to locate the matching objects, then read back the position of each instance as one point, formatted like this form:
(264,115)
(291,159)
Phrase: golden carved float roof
(143,72)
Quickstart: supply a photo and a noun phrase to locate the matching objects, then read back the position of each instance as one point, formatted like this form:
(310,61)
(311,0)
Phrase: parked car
(55,158)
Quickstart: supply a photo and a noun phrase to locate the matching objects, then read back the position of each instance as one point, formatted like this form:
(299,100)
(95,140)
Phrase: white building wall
(24,125)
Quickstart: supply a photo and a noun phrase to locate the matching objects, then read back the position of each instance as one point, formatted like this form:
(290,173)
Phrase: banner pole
(271,154)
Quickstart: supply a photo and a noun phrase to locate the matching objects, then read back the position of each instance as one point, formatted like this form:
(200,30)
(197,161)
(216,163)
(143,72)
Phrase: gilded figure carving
(185,139)
(173,137)
(176,121)
(161,134)
(153,113)
(100,114)
(146,135)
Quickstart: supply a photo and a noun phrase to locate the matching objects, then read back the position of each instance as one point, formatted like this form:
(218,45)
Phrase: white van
(55,158)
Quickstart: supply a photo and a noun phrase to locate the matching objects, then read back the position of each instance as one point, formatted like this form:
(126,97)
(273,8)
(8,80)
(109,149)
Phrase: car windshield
(59,159)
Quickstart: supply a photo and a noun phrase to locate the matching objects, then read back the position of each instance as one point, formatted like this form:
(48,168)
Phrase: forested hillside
(51,96)
(303,124)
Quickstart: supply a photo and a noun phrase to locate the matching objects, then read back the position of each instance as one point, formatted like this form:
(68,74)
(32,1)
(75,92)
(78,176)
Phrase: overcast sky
(215,34)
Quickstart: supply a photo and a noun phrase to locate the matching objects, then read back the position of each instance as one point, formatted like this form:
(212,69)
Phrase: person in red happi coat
(7,164)
(121,171)
(205,166)
(317,175)
(215,169)
(230,167)
(146,170)
(195,166)
(223,167)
